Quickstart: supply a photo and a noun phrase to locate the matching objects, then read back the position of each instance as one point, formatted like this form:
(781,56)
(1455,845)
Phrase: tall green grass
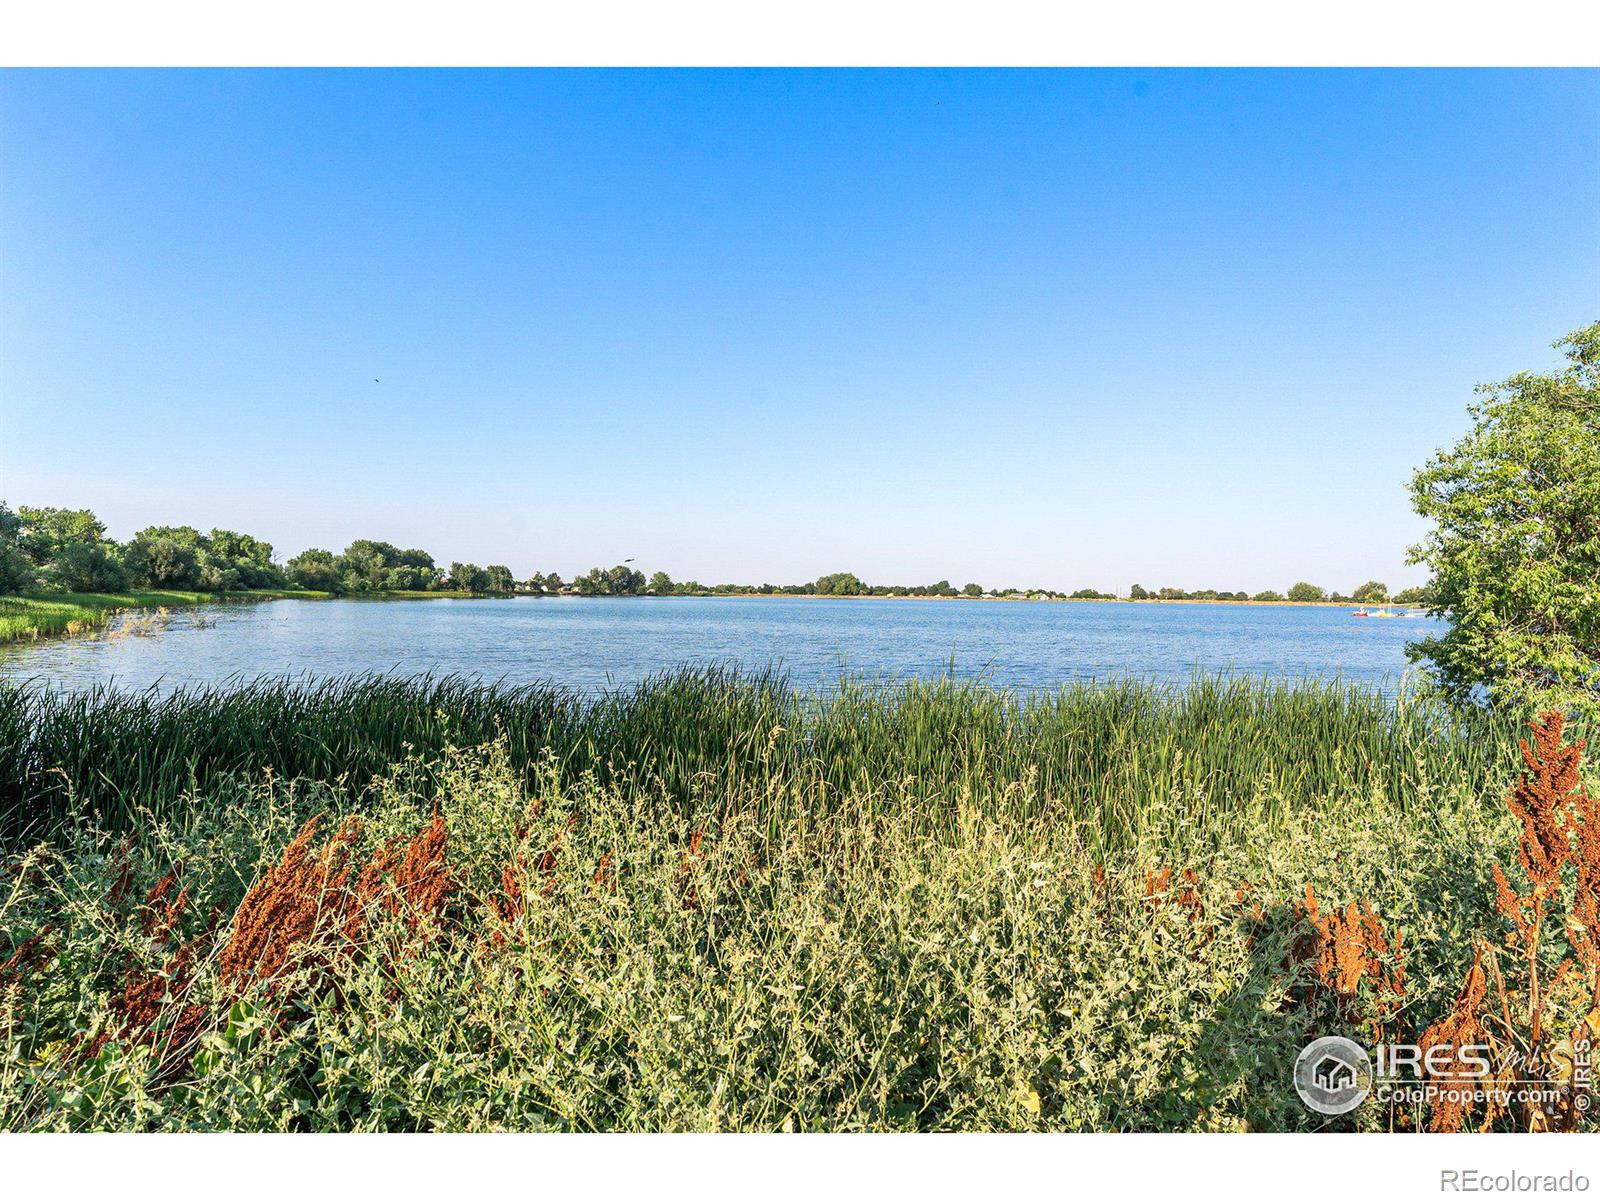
(714,902)
(1099,754)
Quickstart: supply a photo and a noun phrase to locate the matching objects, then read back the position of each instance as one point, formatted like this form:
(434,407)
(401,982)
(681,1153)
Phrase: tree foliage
(366,566)
(180,556)
(16,572)
(468,577)
(1515,548)
(315,570)
(619,580)
(67,550)
(841,583)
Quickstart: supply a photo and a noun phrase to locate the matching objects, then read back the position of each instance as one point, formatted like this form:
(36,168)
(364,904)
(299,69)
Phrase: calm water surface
(596,643)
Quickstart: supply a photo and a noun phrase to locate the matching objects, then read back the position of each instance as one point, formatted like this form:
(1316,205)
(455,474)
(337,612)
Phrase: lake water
(595,643)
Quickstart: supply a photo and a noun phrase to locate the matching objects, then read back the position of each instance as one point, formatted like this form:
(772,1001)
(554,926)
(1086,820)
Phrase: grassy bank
(712,903)
(35,616)
(27,617)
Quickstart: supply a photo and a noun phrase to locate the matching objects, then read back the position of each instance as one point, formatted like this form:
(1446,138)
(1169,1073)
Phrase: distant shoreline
(1352,604)
(42,615)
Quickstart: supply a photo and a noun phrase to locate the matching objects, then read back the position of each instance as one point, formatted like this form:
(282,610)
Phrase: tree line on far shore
(846,583)
(67,550)
(1371,592)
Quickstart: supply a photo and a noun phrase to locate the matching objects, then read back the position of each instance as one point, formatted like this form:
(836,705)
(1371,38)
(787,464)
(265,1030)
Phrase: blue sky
(1071,328)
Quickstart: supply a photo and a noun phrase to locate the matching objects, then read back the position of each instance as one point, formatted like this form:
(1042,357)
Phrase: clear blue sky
(1069,329)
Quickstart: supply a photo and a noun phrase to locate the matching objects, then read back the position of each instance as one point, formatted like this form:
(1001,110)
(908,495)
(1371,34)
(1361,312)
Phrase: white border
(799,33)
(250,1166)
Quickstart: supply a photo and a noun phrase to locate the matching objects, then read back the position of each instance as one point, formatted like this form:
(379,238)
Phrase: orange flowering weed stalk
(1534,997)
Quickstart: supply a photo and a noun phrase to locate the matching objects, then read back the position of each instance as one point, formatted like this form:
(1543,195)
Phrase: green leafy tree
(68,550)
(1414,595)
(469,577)
(551,582)
(617,581)
(661,583)
(411,579)
(180,556)
(1267,596)
(498,579)
(1515,547)
(365,564)
(16,572)
(1371,592)
(44,532)
(412,571)
(316,571)
(244,561)
(163,556)
(1306,593)
(416,572)
(88,567)
(972,589)
(841,583)
(1138,593)
(622,580)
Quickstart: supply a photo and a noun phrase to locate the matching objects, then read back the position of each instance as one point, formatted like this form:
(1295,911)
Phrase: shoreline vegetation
(712,902)
(35,615)
(1087,751)
(60,574)
(38,615)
